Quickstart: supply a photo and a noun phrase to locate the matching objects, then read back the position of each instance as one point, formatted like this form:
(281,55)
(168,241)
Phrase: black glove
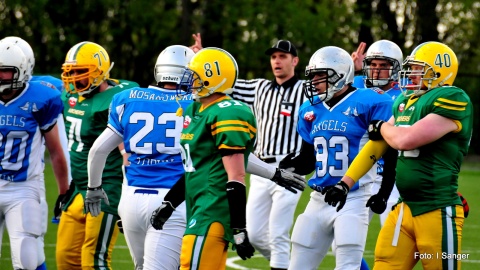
(62,200)
(336,194)
(120,225)
(161,215)
(289,180)
(377,203)
(57,210)
(374,130)
(244,249)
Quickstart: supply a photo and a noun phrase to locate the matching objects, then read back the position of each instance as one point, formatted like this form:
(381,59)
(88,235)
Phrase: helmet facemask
(393,71)
(334,83)
(200,88)
(73,75)
(7,86)
(427,81)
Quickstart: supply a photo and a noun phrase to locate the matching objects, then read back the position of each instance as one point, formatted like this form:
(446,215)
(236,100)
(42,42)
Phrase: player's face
(320,82)
(416,75)
(82,83)
(6,74)
(379,69)
(283,64)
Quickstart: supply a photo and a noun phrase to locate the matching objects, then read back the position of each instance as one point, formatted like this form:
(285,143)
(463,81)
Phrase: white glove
(93,200)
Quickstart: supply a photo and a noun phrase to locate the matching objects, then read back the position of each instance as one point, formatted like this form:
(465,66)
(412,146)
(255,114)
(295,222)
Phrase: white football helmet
(171,63)
(337,64)
(27,50)
(13,58)
(383,50)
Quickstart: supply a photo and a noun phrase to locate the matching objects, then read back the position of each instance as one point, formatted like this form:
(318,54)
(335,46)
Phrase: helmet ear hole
(206,83)
(438,74)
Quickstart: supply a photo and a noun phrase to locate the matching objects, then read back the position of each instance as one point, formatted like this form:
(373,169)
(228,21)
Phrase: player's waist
(271,158)
(144,190)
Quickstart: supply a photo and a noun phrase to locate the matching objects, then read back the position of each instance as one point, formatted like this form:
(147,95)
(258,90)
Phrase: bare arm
(429,129)
(234,165)
(59,163)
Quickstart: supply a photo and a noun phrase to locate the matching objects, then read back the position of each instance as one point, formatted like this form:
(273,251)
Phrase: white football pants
(150,248)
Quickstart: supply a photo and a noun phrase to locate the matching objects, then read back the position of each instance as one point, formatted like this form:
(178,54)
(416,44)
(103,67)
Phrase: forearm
(235,168)
(364,161)
(389,172)
(260,168)
(97,157)
(60,170)
(303,163)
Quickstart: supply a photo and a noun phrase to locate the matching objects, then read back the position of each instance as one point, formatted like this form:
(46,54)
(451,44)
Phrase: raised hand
(197,46)
(358,56)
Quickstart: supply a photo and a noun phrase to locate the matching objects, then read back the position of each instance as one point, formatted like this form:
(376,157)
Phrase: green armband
(366,158)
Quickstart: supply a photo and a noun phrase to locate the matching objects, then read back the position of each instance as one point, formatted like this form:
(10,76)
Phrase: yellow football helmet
(440,67)
(85,60)
(211,70)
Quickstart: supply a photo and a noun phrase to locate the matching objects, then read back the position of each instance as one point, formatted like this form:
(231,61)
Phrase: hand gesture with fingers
(358,56)
(197,46)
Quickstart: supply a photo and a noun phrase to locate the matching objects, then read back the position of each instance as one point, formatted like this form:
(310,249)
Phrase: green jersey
(427,177)
(226,124)
(85,120)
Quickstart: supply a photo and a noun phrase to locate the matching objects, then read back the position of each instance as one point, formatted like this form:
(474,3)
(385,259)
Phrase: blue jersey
(22,121)
(55,82)
(339,132)
(146,119)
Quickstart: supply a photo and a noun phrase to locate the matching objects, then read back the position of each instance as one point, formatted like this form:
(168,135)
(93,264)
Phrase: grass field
(468,185)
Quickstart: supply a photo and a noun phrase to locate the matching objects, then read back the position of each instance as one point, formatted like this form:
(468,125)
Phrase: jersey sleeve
(381,108)
(115,114)
(47,115)
(306,116)
(451,103)
(233,128)
(244,90)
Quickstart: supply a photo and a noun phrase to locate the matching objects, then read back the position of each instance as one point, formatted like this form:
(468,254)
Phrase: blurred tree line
(135,32)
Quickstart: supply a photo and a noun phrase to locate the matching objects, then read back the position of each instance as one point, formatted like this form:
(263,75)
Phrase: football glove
(466,208)
(244,249)
(120,225)
(377,203)
(63,199)
(93,200)
(374,130)
(161,215)
(336,194)
(289,180)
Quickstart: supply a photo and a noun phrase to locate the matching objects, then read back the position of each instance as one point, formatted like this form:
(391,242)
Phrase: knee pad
(304,231)
(24,254)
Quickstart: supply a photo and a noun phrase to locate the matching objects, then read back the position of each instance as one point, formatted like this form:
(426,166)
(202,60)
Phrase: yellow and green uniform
(84,241)
(427,180)
(224,125)
(427,176)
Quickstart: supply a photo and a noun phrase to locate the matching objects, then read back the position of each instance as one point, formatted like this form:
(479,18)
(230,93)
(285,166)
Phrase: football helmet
(171,64)
(27,51)
(383,50)
(13,58)
(440,67)
(337,64)
(211,70)
(85,60)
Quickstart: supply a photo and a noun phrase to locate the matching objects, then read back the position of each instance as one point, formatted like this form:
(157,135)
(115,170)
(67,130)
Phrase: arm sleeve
(101,148)
(260,168)
(369,154)
(176,195)
(303,163)
(389,172)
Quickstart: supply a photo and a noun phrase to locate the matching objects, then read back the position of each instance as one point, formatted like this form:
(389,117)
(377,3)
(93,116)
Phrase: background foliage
(135,32)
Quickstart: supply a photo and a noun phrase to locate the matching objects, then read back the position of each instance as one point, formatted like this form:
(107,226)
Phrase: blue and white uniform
(22,122)
(337,134)
(146,120)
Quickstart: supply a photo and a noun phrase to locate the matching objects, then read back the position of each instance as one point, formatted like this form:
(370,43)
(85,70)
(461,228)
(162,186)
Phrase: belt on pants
(268,160)
(145,191)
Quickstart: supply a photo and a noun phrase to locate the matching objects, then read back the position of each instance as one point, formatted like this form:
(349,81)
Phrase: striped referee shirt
(276,109)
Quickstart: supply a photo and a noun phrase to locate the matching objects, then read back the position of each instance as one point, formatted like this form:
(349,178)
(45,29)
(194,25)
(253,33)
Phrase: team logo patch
(286,112)
(72,101)
(401,107)
(351,112)
(309,116)
(187,121)
(378,90)
(192,223)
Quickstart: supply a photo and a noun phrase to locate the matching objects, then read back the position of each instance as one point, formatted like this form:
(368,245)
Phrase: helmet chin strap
(444,80)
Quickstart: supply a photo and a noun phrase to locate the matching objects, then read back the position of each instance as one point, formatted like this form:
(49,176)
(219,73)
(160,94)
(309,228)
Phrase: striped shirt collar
(286,85)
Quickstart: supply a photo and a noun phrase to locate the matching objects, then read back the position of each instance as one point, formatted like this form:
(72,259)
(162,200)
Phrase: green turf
(468,185)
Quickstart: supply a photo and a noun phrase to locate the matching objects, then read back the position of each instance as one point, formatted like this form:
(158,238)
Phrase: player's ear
(295,60)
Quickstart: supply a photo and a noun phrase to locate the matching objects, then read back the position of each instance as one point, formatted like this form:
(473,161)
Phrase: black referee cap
(282,46)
